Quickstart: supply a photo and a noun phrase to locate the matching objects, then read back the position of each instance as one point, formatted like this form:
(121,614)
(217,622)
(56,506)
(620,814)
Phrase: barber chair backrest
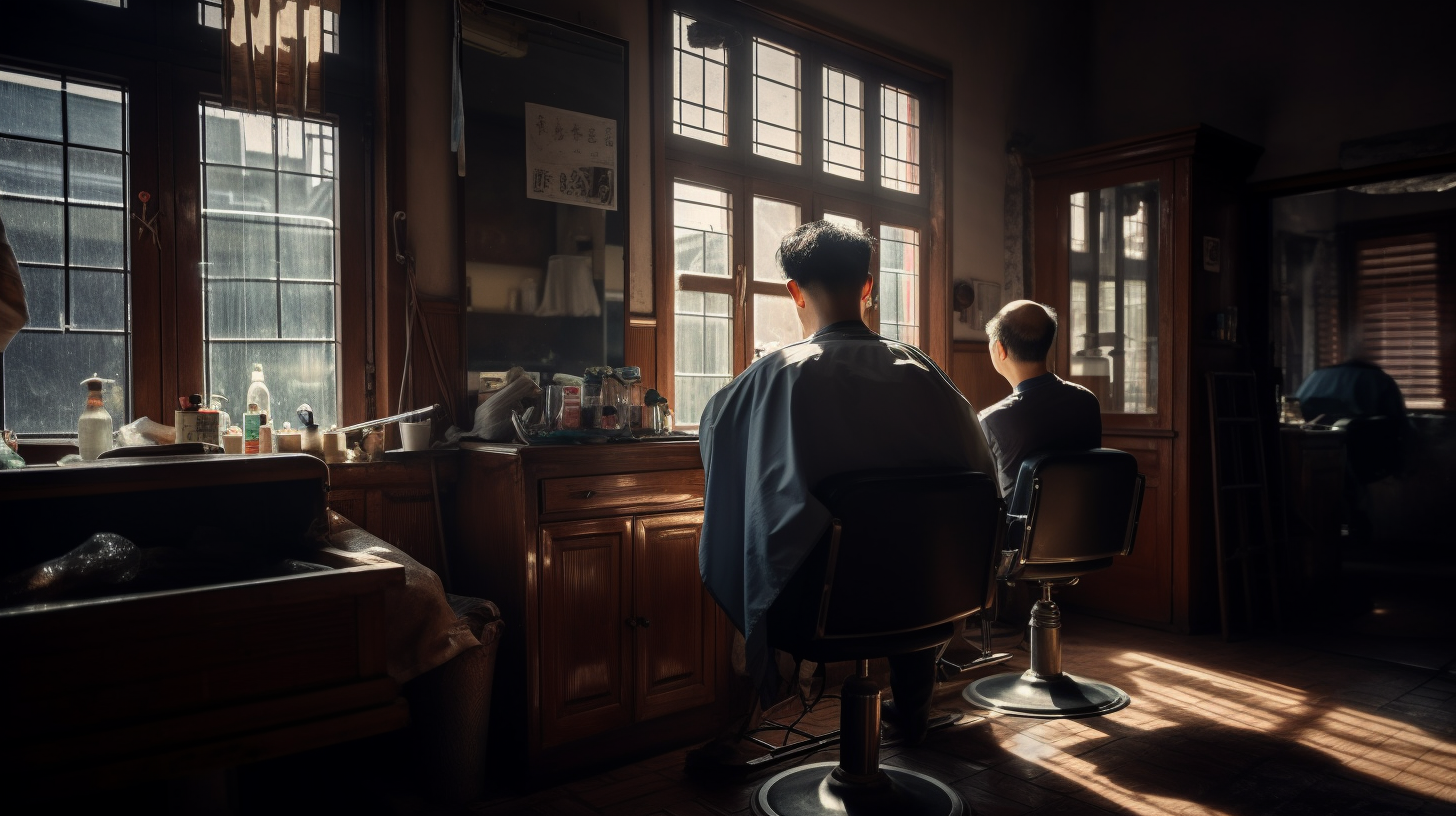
(909,550)
(1075,508)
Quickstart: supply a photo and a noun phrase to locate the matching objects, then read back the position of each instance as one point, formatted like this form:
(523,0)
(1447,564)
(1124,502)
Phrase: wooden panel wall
(972,373)
(641,350)
(441,318)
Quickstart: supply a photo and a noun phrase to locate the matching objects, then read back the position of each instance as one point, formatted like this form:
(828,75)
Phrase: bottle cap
(257,372)
(195,401)
(93,382)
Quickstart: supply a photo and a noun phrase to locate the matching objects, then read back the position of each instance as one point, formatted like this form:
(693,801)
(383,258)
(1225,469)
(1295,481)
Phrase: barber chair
(908,554)
(1070,514)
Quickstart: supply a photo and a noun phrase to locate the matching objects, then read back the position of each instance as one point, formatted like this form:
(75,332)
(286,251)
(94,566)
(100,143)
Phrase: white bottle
(94,427)
(258,392)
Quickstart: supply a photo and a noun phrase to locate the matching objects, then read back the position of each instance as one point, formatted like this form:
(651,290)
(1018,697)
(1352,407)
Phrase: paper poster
(571,157)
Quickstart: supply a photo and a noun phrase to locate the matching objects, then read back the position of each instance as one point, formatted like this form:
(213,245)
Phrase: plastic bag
(145,432)
(104,558)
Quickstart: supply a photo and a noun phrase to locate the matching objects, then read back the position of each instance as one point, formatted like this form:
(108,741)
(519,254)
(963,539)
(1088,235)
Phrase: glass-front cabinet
(1134,247)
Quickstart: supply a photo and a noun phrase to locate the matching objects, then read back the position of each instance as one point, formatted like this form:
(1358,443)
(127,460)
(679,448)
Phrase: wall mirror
(543,204)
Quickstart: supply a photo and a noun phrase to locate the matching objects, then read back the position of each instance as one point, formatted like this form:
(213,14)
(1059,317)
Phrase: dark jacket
(1044,413)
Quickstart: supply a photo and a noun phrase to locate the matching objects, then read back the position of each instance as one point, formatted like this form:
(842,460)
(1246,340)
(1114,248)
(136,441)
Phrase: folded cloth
(422,630)
(13,314)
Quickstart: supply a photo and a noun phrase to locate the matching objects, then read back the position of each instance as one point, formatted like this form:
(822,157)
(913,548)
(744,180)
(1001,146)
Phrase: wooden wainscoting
(971,371)
(642,348)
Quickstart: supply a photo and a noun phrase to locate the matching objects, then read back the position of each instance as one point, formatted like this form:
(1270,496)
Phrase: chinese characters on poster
(571,157)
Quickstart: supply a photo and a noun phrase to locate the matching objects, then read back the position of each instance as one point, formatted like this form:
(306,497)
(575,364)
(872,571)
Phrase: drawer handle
(587,494)
(631,623)
(645,623)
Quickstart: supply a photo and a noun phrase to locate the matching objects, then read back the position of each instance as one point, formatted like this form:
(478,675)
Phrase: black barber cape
(843,400)
(1044,413)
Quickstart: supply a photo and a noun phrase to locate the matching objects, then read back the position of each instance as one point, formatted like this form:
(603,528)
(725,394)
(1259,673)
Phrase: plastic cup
(415,436)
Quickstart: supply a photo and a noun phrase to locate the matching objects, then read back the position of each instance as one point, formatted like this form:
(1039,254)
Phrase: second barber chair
(1070,514)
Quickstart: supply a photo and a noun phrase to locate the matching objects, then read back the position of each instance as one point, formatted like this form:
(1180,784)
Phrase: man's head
(1021,336)
(828,268)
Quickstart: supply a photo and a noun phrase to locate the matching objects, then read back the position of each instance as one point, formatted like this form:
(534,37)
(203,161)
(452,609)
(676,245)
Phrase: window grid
(209,13)
(703,321)
(1078,222)
(1135,233)
(899,140)
(242,223)
(843,124)
(331,32)
(900,284)
(703,74)
(45,384)
(777,131)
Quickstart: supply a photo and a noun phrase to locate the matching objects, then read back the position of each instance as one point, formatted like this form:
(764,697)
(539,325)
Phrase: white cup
(415,436)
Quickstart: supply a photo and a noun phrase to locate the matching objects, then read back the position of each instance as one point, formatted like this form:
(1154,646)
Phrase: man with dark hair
(843,400)
(1043,412)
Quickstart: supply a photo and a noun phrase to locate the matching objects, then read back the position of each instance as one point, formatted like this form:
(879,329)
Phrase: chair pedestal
(1045,691)
(857,783)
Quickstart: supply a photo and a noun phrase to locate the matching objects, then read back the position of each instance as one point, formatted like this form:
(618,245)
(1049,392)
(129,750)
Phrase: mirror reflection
(542,213)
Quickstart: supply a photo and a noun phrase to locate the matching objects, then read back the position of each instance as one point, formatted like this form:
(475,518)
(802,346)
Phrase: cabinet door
(675,633)
(584,646)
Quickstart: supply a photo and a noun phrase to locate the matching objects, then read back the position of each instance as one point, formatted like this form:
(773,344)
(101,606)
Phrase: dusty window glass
(900,284)
(699,87)
(899,140)
(703,320)
(270,288)
(1114,299)
(772,220)
(776,83)
(1078,224)
(843,124)
(63,183)
(846,221)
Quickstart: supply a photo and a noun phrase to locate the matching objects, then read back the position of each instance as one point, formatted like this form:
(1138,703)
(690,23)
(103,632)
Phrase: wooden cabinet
(612,644)
(395,500)
(1137,247)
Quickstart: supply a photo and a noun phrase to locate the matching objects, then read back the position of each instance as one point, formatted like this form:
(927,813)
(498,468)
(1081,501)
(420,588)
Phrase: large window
(1397,313)
(769,126)
(63,190)
(268,227)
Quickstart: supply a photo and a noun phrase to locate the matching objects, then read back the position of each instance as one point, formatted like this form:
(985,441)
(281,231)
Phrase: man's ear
(868,288)
(796,293)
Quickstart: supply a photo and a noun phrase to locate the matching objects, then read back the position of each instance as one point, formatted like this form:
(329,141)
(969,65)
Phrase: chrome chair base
(1058,697)
(816,789)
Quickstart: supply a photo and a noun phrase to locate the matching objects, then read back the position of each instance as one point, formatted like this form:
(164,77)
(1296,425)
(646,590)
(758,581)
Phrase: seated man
(1043,412)
(845,399)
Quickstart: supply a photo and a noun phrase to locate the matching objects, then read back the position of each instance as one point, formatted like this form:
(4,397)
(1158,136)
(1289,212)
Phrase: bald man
(1044,412)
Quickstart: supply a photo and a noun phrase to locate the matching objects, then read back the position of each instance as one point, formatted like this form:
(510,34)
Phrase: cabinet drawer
(663,489)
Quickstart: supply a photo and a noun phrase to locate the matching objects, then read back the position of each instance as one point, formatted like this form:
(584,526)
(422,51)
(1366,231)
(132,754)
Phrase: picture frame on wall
(969,322)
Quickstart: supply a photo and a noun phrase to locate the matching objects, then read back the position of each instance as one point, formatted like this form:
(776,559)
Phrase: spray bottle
(94,427)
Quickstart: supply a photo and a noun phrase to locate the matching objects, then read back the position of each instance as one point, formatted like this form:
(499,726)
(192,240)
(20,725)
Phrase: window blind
(1397,308)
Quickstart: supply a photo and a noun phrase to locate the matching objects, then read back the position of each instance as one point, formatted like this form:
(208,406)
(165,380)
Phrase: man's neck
(821,320)
(1021,372)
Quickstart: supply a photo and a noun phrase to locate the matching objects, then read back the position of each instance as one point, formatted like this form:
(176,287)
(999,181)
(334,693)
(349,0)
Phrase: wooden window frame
(736,168)
(90,42)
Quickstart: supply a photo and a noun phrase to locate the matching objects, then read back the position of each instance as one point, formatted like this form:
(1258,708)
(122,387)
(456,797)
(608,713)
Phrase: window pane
(295,372)
(63,208)
(97,177)
(98,300)
(30,169)
(772,220)
(1114,297)
(254,313)
(1397,309)
(699,87)
(93,115)
(843,124)
(701,230)
(43,374)
(776,128)
(899,140)
(98,237)
(703,350)
(45,297)
(775,324)
(32,106)
(900,284)
(846,221)
(1078,227)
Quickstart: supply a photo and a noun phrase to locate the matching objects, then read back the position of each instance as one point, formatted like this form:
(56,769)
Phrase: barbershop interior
(558,407)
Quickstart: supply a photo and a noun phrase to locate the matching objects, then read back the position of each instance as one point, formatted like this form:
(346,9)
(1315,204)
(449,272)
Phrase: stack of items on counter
(608,400)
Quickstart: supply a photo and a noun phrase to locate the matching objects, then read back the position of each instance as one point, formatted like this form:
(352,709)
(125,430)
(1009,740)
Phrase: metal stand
(857,783)
(948,669)
(1045,691)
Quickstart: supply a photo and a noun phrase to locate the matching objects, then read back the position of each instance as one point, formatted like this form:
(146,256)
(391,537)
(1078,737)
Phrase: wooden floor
(1259,727)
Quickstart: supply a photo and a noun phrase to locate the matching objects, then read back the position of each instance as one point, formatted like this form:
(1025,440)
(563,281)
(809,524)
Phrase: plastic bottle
(258,392)
(223,420)
(94,427)
(252,425)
